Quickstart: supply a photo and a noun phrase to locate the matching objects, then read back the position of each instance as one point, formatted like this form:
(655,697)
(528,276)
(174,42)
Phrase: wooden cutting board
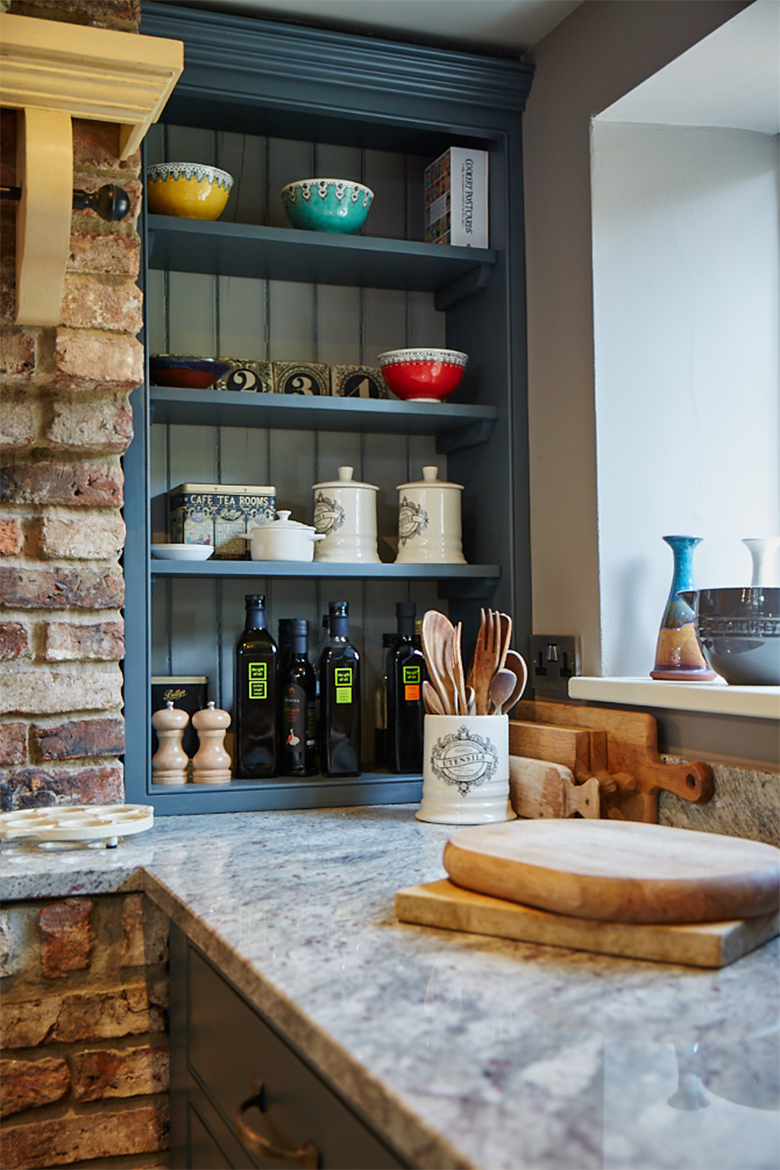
(712,944)
(617,871)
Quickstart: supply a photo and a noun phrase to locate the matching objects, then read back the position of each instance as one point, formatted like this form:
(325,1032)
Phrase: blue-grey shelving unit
(257,76)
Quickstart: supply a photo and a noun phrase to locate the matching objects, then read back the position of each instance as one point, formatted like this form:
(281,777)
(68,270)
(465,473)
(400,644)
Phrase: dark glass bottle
(340,713)
(405,672)
(380,708)
(255,696)
(297,728)
(283,644)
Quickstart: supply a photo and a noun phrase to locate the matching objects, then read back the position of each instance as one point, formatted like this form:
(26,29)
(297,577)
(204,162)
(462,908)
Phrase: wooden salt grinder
(211,763)
(170,761)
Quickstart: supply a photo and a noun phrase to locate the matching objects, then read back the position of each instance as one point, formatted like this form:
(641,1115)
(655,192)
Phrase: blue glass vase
(678,655)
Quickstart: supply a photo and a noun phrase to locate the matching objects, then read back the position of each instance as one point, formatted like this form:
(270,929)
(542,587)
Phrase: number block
(357,382)
(301,378)
(248,374)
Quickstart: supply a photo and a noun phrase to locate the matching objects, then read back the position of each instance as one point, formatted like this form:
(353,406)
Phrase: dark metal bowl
(739,632)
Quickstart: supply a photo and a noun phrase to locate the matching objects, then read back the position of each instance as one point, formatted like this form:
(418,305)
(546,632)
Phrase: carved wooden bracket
(52,72)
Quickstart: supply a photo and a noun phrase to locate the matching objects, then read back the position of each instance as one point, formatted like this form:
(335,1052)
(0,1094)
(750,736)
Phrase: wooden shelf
(455,426)
(267,253)
(325,571)
(285,792)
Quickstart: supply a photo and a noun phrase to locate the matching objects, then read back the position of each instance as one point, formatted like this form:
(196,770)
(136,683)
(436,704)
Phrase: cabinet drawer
(231,1047)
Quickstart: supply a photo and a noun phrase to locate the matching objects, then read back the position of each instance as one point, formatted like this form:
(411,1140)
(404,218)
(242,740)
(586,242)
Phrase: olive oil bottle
(405,671)
(340,713)
(297,728)
(256,714)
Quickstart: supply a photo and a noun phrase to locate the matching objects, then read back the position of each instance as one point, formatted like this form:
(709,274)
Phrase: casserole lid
(284,522)
(430,479)
(345,480)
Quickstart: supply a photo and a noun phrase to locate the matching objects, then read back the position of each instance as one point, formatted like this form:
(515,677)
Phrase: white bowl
(182,552)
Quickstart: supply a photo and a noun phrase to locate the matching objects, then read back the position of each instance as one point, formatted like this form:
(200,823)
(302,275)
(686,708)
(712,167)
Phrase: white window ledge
(714,698)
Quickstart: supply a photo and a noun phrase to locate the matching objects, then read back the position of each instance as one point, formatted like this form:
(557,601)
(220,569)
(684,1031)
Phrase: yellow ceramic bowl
(192,190)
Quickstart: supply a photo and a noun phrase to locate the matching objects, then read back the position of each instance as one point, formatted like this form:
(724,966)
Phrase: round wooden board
(617,871)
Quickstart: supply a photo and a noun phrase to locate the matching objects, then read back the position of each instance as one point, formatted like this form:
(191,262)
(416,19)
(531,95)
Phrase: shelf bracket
(51,72)
(467,285)
(460,438)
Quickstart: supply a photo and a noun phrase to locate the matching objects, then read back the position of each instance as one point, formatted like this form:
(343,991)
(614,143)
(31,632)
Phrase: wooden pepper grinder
(170,761)
(211,763)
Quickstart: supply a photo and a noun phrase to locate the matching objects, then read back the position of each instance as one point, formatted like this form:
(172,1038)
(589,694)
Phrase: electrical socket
(555,658)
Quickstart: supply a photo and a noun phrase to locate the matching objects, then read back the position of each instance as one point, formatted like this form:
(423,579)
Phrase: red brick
(123,15)
(61,588)
(7,148)
(125,1072)
(96,149)
(11,537)
(102,642)
(27,1023)
(101,302)
(41,691)
(102,427)
(78,737)
(77,484)
(13,743)
(8,287)
(14,641)
(145,930)
(67,937)
(108,250)
(17,354)
(59,1141)
(83,536)
(130,1011)
(88,359)
(19,423)
(28,1084)
(37,788)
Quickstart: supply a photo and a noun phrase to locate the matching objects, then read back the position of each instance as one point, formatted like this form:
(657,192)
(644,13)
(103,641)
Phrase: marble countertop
(463,1050)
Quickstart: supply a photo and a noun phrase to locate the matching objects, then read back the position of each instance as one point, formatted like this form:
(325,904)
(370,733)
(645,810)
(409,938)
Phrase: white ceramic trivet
(78,822)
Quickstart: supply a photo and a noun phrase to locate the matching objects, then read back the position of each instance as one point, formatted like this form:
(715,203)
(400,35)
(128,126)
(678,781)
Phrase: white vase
(763,550)
(429,521)
(345,512)
(465,770)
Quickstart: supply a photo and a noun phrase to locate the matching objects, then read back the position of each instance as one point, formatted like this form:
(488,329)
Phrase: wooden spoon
(437,631)
(516,663)
(501,687)
(432,699)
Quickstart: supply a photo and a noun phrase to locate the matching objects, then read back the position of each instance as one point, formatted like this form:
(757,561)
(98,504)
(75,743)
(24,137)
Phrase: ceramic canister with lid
(429,521)
(345,511)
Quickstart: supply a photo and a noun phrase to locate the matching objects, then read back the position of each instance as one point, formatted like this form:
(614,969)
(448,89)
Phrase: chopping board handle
(691,781)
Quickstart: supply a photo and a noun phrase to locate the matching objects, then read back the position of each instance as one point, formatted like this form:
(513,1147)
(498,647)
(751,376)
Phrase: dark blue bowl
(191,373)
(739,632)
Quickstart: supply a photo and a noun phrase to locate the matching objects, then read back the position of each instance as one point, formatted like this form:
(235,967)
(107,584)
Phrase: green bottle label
(411,674)
(342,681)
(257,680)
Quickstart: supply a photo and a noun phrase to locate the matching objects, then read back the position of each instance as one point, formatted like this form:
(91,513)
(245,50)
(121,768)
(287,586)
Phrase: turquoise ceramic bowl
(327,205)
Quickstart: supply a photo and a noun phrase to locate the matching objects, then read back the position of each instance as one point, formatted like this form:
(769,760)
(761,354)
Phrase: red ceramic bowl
(423,375)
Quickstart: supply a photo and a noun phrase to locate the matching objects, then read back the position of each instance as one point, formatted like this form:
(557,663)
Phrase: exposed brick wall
(65,421)
(83,1033)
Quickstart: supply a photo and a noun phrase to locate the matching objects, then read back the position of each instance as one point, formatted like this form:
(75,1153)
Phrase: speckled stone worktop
(462,1050)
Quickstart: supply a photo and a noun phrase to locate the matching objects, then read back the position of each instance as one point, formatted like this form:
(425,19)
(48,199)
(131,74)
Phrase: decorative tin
(301,378)
(357,382)
(220,515)
(248,374)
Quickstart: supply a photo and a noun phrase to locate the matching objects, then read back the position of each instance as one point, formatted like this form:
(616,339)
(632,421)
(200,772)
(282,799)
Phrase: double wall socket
(555,658)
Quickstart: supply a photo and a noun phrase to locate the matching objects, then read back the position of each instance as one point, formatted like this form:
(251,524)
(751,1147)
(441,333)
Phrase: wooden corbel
(51,72)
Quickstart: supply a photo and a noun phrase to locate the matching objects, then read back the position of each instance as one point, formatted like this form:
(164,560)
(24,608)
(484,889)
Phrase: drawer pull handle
(307,1156)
